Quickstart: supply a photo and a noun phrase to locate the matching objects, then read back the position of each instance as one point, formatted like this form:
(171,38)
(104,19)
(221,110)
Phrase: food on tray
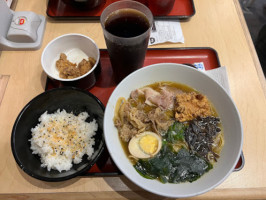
(145,145)
(191,105)
(62,138)
(169,131)
(69,70)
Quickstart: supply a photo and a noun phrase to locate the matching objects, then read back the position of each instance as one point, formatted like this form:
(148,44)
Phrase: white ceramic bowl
(65,44)
(224,105)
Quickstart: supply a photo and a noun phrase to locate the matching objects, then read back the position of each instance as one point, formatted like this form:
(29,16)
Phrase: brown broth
(147,108)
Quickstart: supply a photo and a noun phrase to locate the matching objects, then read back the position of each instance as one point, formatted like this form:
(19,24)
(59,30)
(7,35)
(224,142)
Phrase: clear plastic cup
(126,27)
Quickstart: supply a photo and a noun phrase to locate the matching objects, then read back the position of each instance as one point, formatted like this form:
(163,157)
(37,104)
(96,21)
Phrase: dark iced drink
(126,26)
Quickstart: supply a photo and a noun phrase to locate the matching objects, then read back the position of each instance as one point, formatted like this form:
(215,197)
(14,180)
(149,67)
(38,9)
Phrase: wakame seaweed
(176,132)
(172,167)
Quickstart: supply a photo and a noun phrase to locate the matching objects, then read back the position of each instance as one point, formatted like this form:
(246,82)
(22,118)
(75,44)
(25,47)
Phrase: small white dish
(76,47)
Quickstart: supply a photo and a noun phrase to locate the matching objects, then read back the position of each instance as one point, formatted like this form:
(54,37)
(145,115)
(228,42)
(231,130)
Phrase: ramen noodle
(169,131)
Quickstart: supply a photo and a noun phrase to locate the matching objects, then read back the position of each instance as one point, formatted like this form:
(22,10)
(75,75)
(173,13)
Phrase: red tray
(106,84)
(57,9)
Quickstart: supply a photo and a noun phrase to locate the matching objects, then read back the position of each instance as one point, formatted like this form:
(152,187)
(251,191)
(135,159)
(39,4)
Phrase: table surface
(217,24)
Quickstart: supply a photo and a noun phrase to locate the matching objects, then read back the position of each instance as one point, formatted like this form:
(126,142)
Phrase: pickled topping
(200,136)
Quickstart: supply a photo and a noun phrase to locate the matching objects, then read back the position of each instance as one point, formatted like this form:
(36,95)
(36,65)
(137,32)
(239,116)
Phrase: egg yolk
(148,144)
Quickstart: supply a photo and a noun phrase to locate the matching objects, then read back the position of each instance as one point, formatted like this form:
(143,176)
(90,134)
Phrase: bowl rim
(67,35)
(14,152)
(140,184)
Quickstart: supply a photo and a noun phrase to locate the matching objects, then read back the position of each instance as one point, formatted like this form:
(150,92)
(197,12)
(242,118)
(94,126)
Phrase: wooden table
(218,24)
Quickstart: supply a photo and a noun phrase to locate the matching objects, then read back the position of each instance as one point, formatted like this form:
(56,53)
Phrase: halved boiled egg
(145,145)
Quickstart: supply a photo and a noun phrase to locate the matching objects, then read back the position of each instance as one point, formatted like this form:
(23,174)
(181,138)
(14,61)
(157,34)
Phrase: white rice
(62,138)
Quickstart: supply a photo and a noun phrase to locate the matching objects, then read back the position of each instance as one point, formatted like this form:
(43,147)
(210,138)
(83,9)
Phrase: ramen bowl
(224,105)
(76,46)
